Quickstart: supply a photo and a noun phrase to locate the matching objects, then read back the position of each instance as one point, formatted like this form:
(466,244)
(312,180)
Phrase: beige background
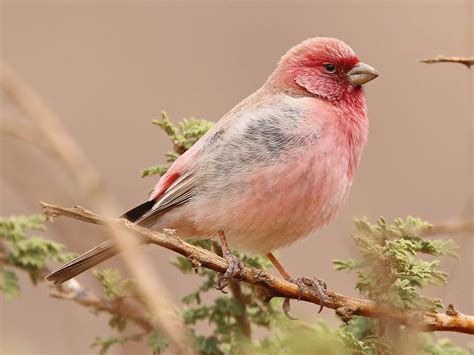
(109,68)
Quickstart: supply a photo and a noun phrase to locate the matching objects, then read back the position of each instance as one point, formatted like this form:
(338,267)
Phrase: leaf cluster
(182,136)
(390,269)
(118,289)
(19,250)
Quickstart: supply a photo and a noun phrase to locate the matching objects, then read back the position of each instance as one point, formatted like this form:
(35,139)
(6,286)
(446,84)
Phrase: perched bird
(274,169)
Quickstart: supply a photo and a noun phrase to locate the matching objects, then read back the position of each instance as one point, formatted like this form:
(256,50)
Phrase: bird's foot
(317,286)
(234,270)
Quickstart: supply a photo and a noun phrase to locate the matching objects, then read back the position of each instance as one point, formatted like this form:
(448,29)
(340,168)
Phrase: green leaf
(105,343)
(30,254)
(9,284)
(118,323)
(15,227)
(346,265)
(182,263)
(443,347)
(166,125)
(208,345)
(154,170)
(156,343)
(115,287)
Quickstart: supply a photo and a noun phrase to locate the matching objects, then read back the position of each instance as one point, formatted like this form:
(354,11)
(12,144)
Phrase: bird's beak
(361,73)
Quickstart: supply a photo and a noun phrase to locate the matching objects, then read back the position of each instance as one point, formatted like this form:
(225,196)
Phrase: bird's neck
(353,125)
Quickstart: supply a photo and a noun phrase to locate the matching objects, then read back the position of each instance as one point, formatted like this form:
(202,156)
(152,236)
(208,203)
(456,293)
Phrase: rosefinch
(275,168)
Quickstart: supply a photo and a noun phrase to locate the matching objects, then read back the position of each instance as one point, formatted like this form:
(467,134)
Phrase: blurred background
(107,68)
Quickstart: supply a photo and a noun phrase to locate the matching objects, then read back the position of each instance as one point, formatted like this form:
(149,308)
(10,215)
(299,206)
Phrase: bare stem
(276,287)
(467,61)
(72,290)
(451,228)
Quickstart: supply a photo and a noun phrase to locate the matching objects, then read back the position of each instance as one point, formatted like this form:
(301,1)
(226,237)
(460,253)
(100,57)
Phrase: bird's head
(323,67)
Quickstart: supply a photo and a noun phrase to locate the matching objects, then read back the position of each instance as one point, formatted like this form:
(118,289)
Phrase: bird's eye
(329,67)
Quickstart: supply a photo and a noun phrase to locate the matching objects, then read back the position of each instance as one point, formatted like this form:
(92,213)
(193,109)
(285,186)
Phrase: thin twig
(276,287)
(73,290)
(451,228)
(467,61)
(63,145)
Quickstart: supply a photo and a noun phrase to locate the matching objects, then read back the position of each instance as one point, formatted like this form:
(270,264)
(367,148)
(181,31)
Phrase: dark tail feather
(87,260)
(97,255)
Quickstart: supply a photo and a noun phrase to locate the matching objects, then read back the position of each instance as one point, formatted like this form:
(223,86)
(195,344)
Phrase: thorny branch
(271,286)
(467,61)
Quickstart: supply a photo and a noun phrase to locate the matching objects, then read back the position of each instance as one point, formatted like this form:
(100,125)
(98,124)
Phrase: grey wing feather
(181,191)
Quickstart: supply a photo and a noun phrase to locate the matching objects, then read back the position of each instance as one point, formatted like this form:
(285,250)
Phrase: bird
(273,170)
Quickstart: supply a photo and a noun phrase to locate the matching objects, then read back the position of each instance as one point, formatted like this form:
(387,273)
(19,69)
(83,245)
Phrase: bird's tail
(97,255)
(84,262)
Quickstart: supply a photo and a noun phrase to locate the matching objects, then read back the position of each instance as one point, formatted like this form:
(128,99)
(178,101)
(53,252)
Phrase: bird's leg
(304,283)
(234,264)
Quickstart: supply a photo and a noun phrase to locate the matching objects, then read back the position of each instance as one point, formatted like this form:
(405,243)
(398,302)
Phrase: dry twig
(450,228)
(467,61)
(73,290)
(271,286)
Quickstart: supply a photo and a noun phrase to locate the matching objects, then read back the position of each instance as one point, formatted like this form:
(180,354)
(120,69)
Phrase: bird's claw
(314,285)
(234,270)
(286,309)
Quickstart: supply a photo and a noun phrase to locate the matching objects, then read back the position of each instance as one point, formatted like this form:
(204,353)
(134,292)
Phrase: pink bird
(274,169)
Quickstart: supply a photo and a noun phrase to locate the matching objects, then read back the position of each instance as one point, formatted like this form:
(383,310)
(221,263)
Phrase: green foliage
(105,343)
(295,337)
(183,136)
(28,253)
(9,283)
(154,170)
(156,343)
(114,285)
(222,313)
(186,133)
(389,270)
(443,347)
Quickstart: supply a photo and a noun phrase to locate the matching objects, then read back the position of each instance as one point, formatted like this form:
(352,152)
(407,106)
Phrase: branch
(73,290)
(276,287)
(467,61)
(451,228)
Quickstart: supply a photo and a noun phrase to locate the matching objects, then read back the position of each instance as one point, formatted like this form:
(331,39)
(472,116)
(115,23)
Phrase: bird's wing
(175,187)
(179,192)
(178,185)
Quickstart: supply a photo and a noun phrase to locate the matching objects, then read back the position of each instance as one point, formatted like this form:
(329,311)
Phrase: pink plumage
(280,164)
